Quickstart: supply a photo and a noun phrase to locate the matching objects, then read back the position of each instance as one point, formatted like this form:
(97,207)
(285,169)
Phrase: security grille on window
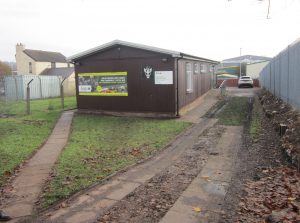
(203,68)
(211,68)
(189,77)
(196,68)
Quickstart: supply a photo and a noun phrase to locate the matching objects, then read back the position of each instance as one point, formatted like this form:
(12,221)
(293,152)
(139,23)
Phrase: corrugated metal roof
(138,46)
(61,71)
(246,57)
(45,56)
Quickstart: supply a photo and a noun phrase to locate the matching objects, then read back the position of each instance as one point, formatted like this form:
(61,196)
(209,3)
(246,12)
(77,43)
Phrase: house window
(53,65)
(189,77)
(203,68)
(30,67)
(196,68)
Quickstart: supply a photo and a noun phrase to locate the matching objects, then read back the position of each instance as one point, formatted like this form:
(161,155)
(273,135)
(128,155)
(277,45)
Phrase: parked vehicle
(245,81)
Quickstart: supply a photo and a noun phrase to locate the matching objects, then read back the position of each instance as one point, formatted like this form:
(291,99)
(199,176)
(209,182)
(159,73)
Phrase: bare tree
(4,69)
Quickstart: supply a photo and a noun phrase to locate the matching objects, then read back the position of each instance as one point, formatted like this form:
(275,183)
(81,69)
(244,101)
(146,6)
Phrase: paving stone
(81,217)
(102,190)
(122,190)
(209,188)
(216,174)
(17,210)
(57,142)
(137,177)
(191,217)
(36,169)
(220,163)
(35,180)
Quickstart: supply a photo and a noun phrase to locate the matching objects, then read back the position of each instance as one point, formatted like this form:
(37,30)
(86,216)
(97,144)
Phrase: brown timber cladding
(144,96)
(201,82)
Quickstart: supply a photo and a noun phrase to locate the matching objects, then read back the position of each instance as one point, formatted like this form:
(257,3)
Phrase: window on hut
(196,68)
(203,68)
(30,67)
(189,77)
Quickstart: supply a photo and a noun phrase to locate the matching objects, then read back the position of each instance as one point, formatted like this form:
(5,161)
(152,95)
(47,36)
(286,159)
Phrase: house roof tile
(45,56)
(61,71)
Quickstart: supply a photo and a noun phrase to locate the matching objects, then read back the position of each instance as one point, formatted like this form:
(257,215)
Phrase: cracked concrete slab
(207,191)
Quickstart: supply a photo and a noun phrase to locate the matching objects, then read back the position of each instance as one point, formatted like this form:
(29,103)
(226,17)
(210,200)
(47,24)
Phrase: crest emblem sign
(148,71)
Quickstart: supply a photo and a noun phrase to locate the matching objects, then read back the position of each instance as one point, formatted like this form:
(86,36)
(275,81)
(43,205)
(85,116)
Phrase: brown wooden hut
(124,78)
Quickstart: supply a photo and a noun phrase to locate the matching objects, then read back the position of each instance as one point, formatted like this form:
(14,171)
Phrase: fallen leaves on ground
(197,209)
(282,113)
(274,198)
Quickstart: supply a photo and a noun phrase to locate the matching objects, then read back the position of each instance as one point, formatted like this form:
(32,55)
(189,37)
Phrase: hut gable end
(122,52)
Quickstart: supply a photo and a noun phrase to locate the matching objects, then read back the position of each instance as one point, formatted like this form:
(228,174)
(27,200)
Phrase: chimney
(20,47)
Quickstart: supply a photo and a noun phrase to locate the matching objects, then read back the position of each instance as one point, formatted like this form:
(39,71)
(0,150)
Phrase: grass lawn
(101,145)
(234,112)
(21,134)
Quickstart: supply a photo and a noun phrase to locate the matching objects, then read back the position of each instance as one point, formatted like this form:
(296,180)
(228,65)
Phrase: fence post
(28,97)
(16,87)
(41,90)
(62,93)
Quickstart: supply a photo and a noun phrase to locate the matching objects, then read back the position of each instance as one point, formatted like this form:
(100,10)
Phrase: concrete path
(194,111)
(207,191)
(87,206)
(241,92)
(29,182)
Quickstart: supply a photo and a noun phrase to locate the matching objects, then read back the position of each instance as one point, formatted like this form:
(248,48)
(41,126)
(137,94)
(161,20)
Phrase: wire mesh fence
(23,94)
(282,75)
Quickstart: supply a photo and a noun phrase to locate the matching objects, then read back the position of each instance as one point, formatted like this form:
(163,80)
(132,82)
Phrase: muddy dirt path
(255,156)
(151,201)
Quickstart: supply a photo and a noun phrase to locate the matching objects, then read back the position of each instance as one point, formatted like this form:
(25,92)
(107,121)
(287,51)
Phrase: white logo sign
(163,77)
(148,71)
(85,88)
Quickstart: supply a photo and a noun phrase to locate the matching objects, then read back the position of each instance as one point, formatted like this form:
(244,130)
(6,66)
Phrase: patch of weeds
(234,112)
(213,111)
(50,107)
(255,125)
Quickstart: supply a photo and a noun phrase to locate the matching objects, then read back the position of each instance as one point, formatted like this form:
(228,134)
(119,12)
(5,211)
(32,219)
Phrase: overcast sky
(214,29)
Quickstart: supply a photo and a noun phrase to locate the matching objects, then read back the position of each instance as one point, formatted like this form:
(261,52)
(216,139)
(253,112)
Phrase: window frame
(196,68)
(203,68)
(189,77)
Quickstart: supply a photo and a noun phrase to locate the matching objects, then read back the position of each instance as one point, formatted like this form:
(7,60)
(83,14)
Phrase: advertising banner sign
(103,84)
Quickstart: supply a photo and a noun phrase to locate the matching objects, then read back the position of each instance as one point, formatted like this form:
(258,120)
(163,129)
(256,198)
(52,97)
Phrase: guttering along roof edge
(123,43)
